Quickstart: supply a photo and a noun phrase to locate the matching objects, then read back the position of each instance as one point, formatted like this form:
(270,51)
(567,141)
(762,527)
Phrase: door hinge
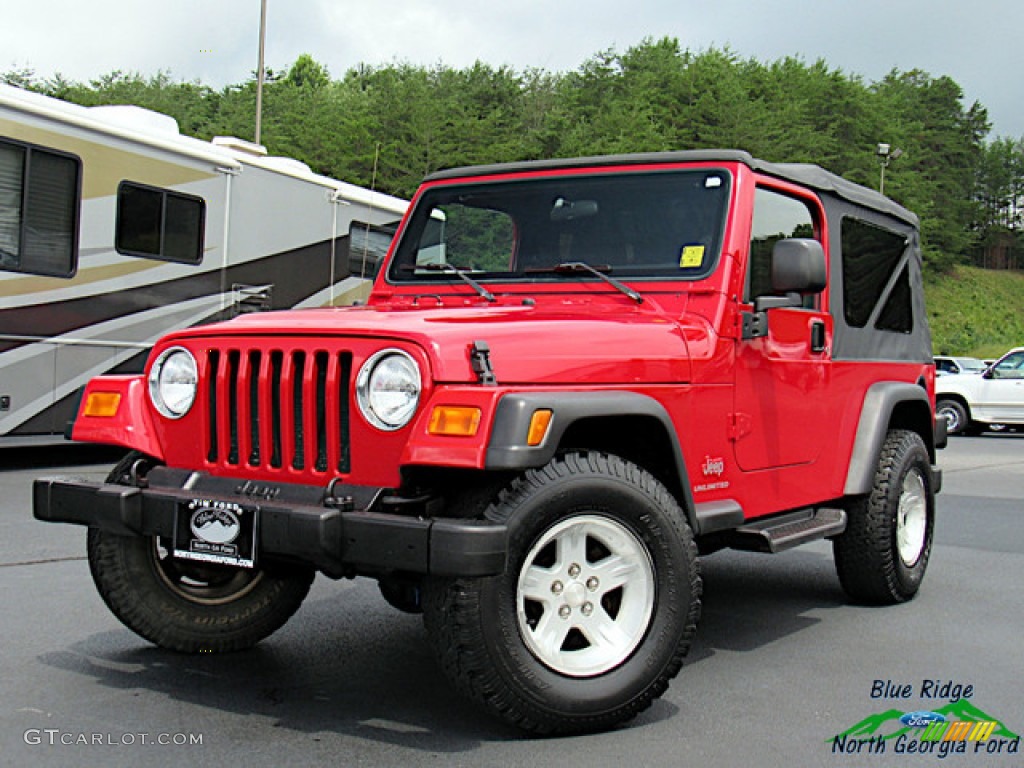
(755,325)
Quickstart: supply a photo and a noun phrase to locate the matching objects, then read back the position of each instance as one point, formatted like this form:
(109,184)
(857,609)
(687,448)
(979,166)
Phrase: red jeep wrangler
(571,377)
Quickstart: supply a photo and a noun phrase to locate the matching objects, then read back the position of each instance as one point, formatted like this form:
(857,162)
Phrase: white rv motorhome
(115,228)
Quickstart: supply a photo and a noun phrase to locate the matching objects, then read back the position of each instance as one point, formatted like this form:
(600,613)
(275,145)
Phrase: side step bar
(783,532)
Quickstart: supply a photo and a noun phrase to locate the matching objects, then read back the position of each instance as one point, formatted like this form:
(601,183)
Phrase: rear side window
(40,195)
(159,224)
(876,277)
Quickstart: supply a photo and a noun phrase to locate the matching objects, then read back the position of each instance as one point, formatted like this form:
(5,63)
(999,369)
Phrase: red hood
(576,341)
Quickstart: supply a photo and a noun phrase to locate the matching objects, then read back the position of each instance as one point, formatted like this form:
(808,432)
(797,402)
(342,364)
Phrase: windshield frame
(684,255)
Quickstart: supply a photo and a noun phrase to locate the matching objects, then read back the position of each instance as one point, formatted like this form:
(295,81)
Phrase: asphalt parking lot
(782,663)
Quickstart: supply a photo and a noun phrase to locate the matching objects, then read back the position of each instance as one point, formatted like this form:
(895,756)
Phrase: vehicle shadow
(58,455)
(348,665)
(751,600)
(338,675)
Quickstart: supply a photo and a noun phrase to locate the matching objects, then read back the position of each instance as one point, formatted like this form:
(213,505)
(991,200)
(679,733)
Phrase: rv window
(39,201)
(871,257)
(159,224)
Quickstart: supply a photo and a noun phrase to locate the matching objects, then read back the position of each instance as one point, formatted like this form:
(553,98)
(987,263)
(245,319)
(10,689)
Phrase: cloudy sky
(976,42)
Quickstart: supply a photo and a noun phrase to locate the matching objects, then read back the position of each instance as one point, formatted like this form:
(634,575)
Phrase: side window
(776,217)
(159,224)
(875,272)
(39,202)
(1010,367)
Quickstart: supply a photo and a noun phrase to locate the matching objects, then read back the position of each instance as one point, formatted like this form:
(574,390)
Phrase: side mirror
(798,266)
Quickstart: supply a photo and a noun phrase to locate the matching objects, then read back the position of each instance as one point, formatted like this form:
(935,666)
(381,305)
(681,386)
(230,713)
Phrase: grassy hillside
(977,312)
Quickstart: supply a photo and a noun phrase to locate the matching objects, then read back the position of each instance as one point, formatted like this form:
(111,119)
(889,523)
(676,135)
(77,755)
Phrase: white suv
(995,399)
(944,366)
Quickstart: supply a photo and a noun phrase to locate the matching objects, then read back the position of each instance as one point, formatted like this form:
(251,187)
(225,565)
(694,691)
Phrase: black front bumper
(337,532)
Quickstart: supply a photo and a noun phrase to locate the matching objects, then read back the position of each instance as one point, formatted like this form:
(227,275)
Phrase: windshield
(666,224)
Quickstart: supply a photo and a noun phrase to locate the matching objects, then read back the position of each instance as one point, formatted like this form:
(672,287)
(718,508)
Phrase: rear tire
(958,421)
(595,610)
(882,556)
(185,606)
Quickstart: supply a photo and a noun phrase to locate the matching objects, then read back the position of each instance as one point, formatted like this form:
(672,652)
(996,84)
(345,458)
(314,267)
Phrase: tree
(307,73)
(388,126)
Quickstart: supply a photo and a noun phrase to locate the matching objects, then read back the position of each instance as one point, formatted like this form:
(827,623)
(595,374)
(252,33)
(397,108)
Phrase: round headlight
(173,381)
(388,389)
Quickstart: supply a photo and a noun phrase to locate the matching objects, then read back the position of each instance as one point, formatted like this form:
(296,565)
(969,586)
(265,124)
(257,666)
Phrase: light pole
(259,72)
(886,154)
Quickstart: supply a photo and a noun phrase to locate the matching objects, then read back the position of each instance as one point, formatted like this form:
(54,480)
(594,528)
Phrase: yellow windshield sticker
(693,256)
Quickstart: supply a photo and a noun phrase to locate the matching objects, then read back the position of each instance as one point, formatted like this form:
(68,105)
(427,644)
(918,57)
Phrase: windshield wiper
(573,267)
(451,269)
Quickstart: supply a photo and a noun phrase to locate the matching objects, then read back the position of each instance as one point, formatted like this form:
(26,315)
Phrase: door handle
(817,336)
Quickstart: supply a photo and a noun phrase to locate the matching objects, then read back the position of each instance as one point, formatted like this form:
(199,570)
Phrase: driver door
(781,377)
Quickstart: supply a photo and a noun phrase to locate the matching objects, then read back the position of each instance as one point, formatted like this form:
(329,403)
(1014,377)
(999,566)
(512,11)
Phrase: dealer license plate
(216,532)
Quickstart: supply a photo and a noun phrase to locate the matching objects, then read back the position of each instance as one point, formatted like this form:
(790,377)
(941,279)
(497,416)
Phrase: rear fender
(887,404)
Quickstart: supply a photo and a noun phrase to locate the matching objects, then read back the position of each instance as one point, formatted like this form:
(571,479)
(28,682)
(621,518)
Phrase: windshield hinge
(480,359)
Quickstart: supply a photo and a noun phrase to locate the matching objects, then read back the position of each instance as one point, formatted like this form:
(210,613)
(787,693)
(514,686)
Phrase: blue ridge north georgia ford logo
(216,532)
(217,526)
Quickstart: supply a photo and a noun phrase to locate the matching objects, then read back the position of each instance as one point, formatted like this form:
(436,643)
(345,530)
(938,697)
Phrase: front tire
(595,610)
(184,606)
(882,556)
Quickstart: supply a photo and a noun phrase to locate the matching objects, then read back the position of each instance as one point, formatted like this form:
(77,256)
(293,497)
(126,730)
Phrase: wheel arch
(887,405)
(633,426)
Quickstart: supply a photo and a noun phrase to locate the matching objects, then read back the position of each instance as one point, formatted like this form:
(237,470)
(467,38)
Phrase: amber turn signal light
(102,404)
(458,420)
(539,423)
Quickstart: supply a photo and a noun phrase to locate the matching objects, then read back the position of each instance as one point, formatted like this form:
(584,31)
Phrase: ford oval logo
(217,526)
(922,718)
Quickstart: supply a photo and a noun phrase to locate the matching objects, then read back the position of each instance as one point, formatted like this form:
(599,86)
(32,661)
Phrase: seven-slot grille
(279,409)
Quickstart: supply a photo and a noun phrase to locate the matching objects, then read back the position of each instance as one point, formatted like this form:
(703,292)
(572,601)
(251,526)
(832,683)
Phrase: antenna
(366,232)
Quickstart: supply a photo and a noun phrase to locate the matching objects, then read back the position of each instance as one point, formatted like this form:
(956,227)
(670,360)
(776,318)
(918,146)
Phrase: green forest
(387,126)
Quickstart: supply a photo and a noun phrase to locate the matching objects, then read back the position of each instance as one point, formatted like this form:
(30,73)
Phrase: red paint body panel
(769,422)
(133,426)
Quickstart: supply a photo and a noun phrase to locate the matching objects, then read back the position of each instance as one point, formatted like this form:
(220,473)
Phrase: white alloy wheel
(585,596)
(912,518)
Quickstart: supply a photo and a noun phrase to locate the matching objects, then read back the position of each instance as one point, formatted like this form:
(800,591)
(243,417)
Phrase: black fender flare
(876,416)
(508,450)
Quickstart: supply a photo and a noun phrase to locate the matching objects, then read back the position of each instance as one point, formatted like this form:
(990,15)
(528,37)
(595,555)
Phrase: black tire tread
(452,609)
(865,554)
(123,570)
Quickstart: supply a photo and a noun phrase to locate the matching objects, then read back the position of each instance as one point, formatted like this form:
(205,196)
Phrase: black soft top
(804,174)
